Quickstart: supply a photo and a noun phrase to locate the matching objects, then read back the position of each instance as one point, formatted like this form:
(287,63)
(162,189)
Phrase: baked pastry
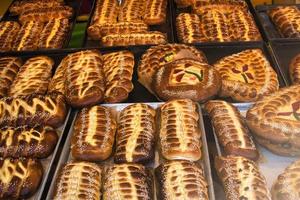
(127,181)
(155,12)
(186,78)
(132,11)
(93,134)
(286,186)
(294,69)
(286,20)
(24,141)
(20,178)
(28,36)
(274,121)
(84,87)
(246,76)
(118,71)
(184,3)
(54,34)
(106,11)
(33,77)
(8,33)
(20,6)
(241,178)
(231,129)
(9,67)
(180,179)
(97,31)
(43,15)
(57,83)
(199,3)
(135,134)
(188,28)
(158,56)
(127,39)
(78,180)
(180,136)
(32,110)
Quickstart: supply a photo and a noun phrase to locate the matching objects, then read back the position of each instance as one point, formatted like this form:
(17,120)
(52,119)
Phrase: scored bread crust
(19,7)
(8,34)
(155,12)
(294,69)
(57,83)
(275,118)
(106,11)
(132,11)
(246,76)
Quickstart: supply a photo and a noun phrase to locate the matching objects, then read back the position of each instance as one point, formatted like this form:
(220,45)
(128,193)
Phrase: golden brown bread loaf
(8,33)
(231,129)
(127,39)
(20,6)
(274,121)
(294,69)
(186,78)
(9,67)
(286,187)
(78,180)
(132,11)
(57,83)
(198,3)
(246,76)
(118,71)
(127,181)
(33,110)
(241,178)
(135,134)
(54,34)
(180,136)
(33,77)
(155,12)
(106,11)
(158,56)
(19,178)
(180,179)
(84,78)
(93,134)
(286,20)
(24,141)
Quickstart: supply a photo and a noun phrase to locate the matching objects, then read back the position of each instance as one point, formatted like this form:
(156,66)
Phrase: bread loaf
(106,11)
(294,69)
(57,83)
(20,6)
(8,33)
(155,12)
(132,11)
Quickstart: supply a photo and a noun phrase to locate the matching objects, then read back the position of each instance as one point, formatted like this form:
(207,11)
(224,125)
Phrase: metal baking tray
(270,31)
(270,165)
(204,162)
(76,8)
(167,28)
(284,52)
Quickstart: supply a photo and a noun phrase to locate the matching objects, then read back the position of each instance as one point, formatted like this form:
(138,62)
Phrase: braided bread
(155,12)
(294,69)
(57,83)
(132,11)
(20,6)
(106,11)
(8,33)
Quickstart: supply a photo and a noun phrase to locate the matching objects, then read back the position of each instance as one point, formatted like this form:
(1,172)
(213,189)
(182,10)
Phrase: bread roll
(8,33)
(23,141)
(93,134)
(118,71)
(127,181)
(180,136)
(294,69)
(132,11)
(57,83)
(9,67)
(155,12)
(33,77)
(19,178)
(20,6)
(106,11)
(231,129)
(78,180)
(179,180)
(135,134)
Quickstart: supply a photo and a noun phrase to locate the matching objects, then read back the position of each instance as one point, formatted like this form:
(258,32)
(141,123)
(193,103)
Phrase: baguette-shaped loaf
(180,136)
(28,36)
(46,14)
(294,69)
(106,11)
(19,178)
(155,12)
(84,78)
(78,180)
(241,178)
(8,32)
(9,67)
(126,39)
(127,181)
(20,6)
(54,34)
(33,77)
(118,71)
(24,141)
(57,83)
(178,180)
(132,11)
(231,129)
(32,110)
(135,134)
(93,134)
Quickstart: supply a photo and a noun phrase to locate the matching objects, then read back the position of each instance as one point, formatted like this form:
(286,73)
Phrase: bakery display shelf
(284,53)
(270,31)
(270,164)
(167,28)
(204,161)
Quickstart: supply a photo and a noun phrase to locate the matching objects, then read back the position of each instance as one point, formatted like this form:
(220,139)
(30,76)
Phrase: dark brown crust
(10,30)
(294,69)
(57,83)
